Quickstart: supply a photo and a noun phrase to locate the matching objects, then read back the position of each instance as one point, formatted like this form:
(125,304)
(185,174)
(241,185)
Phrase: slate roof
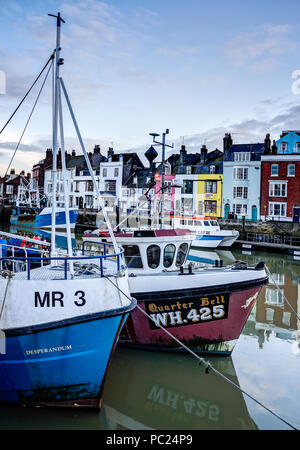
(256,150)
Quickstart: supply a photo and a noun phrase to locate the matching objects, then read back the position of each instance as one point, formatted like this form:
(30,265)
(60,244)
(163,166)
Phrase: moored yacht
(205,308)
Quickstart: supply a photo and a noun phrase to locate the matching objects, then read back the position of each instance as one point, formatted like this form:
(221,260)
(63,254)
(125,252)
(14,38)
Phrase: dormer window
(284,147)
(212,170)
(297,147)
(242,156)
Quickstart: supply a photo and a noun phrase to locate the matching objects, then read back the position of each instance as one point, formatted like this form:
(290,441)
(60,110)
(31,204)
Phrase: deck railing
(64,267)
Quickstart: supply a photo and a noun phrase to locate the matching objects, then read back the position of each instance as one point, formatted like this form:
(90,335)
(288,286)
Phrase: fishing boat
(205,308)
(30,217)
(208,233)
(60,320)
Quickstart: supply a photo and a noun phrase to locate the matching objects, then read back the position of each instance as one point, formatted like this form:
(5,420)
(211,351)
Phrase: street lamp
(164,145)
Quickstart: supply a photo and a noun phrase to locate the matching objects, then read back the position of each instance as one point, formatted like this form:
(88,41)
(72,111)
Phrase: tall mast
(54,131)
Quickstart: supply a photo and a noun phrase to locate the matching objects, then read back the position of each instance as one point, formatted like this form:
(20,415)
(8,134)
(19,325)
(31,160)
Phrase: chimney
(203,157)
(183,153)
(110,154)
(48,153)
(73,152)
(23,172)
(227,142)
(267,150)
(274,148)
(97,149)
(12,171)
(28,175)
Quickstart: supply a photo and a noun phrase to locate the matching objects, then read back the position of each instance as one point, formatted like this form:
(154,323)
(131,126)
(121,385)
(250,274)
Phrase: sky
(132,67)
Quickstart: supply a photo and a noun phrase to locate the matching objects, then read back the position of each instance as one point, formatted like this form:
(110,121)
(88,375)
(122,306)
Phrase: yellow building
(209,195)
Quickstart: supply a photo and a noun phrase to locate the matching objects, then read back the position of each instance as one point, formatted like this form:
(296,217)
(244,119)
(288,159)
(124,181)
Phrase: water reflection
(158,390)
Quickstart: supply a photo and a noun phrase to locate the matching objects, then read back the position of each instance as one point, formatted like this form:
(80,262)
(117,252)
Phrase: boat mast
(163,172)
(58,62)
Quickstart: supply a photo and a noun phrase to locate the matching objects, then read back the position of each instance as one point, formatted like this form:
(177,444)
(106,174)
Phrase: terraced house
(242,180)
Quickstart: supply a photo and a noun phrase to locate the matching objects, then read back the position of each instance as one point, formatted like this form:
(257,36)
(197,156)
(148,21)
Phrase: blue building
(241,181)
(289,142)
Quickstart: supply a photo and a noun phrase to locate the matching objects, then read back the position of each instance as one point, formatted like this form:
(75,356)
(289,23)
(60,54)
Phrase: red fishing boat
(205,308)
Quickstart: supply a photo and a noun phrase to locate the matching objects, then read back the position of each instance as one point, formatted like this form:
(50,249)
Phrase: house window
(116,172)
(242,156)
(89,186)
(277,190)
(210,207)
(89,201)
(240,192)
(105,172)
(277,209)
(212,170)
(284,147)
(239,209)
(291,170)
(188,170)
(274,170)
(210,187)
(297,147)
(240,173)
(187,187)
(110,186)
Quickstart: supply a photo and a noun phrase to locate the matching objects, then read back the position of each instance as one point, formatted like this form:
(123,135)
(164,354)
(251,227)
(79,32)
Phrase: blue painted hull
(45,220)
(61,366)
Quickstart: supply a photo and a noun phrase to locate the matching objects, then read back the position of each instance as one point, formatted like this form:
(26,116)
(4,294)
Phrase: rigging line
(51,58)
(207,364)
(30,115)
(279,290)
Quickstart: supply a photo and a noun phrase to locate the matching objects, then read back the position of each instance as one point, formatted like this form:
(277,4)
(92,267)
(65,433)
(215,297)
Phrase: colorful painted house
(289,142)
(280,187)
(209,195)
(241,181)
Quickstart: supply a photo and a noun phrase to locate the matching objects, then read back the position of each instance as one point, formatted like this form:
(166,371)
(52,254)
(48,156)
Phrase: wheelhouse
(151,250)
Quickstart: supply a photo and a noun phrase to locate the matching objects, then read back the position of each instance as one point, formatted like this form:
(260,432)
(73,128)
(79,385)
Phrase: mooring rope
(279,290)
(203,361)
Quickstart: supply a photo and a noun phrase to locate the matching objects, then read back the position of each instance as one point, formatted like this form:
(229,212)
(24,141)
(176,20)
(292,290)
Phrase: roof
(256,151)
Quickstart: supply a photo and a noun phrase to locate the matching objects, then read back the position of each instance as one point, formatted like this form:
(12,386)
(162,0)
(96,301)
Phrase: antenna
(58,17)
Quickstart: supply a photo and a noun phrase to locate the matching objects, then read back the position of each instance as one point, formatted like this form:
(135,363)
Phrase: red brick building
(280,187)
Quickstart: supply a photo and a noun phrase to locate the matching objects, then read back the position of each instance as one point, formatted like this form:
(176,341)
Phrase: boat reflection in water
(155,390)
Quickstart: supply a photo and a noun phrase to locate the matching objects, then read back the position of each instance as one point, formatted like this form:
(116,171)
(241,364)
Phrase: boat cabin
(150,250)
(202,225)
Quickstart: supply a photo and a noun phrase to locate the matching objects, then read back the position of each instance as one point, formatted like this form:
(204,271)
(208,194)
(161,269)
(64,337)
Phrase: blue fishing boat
(44,219)
(60,314)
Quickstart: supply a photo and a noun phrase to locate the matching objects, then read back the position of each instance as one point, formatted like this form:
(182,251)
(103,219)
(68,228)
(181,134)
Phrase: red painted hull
(209,324)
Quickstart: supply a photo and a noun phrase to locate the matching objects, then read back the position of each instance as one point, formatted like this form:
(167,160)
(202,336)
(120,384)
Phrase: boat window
(196,223)
(169,254)
(181,255)
(190,222)
(206,223)
(153,256)
(182,222)
(214,223)
(133,257)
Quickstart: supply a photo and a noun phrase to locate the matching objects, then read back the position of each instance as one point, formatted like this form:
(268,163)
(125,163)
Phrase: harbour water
(162,391)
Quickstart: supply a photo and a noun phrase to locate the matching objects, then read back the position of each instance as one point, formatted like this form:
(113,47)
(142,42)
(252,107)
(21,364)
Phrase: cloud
(259,48)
